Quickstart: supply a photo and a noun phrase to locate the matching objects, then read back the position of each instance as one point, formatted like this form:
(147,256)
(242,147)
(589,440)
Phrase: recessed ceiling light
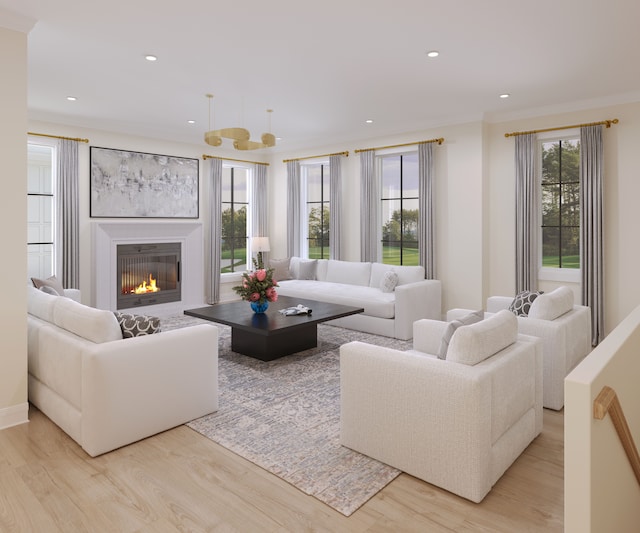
(505,95)
(150,57)
(71,98)
(369,121)
(433,53)
(191,121)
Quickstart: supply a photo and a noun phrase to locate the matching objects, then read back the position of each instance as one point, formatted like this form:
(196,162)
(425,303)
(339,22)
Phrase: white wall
(601,491)
(13,206)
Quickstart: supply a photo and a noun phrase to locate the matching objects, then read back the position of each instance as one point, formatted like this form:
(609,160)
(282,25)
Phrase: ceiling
(323,67)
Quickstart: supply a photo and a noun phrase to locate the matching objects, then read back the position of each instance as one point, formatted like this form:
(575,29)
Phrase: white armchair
(565,330)
(457,423)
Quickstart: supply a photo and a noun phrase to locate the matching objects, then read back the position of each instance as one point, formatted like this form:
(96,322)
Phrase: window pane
(240,185)
(570,168)
(550,247)
(240,221)
(410,220)
(39,219)
(571,204)
(551,162)
(391,253)
(39,260)
(391,230)
(571,248)
(226,184)
(314,184)
(39,177)
(391,177)
(550,205)
(410,175)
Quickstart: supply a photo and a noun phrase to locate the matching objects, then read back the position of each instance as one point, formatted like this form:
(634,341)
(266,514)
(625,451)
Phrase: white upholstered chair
(565,330)
(457,423)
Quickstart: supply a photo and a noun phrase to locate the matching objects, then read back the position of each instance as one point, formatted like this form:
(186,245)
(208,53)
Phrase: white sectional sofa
(393,297)
(459,422)
(106,391)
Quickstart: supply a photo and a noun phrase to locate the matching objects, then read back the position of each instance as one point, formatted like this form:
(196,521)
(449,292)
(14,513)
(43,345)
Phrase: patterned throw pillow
(466,320)
(522,302)
(137,325)
(389,281)
(52,282)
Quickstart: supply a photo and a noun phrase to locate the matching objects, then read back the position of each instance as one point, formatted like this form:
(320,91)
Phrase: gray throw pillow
(466,320)
(137,325)
(49,282)
(307,269)
(389,281)
(522,302)
(280,267)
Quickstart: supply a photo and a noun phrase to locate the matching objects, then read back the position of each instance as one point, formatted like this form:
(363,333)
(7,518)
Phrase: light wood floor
(181,481)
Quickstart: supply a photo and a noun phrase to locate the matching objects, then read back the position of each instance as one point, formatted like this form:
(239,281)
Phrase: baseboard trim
(14,415)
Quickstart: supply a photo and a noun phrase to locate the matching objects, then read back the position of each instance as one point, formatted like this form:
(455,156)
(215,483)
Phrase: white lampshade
(260,244)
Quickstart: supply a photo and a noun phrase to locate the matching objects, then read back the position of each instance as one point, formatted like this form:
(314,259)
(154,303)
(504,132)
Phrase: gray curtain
(426,229)
(68,216)
(258,204)
(591,229)
(527,226)
(294,223)
(335,202)
(369,199)
(213,243)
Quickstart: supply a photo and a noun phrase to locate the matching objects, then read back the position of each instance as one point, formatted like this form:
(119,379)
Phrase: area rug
(284,416)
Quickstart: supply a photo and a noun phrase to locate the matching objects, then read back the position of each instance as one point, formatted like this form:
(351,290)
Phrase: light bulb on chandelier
(240,136)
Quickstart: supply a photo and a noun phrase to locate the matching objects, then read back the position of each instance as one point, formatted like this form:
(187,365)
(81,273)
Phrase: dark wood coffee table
(268,336)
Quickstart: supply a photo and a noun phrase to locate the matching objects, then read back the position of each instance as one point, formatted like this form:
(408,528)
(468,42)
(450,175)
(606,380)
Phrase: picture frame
(125,184)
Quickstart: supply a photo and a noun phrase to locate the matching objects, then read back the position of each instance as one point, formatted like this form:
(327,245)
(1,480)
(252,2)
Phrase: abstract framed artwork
(128,184)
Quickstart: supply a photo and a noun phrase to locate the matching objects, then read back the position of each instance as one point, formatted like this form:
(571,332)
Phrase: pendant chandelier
(240,136)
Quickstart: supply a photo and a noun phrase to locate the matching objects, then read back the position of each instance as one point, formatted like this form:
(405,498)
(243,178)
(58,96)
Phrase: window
(40,211)
(235,210)
(399,208)
(560,221)
(318,208)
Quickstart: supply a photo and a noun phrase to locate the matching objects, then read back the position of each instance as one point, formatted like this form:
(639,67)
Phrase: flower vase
(259,307)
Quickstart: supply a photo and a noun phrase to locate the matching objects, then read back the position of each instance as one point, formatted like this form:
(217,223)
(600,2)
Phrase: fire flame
(145,287)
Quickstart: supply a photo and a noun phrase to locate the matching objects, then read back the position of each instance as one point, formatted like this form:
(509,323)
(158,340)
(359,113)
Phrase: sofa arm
(418,414)
(497,303)
(135,388)
(74,294)
(421,299)
(427,335)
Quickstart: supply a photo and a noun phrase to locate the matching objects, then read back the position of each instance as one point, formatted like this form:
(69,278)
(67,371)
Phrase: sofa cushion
(553,304)
(95,325)
(52,282)
(349,272)
(477,342)
(470,318)
(280,268)
(137,325)
(521,304)
(373,301)
(389,281)
(40,304)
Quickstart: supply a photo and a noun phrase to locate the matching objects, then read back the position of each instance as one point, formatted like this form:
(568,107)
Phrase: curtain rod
(606,123)
(205,157)
(346,154)
(440,140)
(58,137)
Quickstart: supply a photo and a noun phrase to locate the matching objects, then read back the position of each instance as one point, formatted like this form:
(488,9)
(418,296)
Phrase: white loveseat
(458,422)
(390,313)
(565,330)
(105,391)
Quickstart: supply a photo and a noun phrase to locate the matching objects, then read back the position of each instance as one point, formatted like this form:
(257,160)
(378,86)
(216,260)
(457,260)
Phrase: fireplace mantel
(107,236)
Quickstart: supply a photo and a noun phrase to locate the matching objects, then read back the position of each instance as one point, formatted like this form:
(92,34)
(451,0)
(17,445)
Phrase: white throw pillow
(280,267)
(466,320)
(389,281)
(307,269)
(551,305)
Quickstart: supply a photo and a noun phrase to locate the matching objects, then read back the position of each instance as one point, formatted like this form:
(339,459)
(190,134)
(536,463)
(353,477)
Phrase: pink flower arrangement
(258,286)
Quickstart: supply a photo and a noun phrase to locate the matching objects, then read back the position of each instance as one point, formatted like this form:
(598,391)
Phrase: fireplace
(148,274)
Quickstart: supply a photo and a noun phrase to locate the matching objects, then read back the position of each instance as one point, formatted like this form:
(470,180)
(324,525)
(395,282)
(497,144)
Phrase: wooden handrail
(607,402)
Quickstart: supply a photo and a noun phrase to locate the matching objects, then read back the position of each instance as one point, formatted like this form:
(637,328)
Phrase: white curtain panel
(591,228)
(258,203)
(527,201)
(213,243)
(426,229)
(369,199)
(293,209)
(335,203)
(68,201)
